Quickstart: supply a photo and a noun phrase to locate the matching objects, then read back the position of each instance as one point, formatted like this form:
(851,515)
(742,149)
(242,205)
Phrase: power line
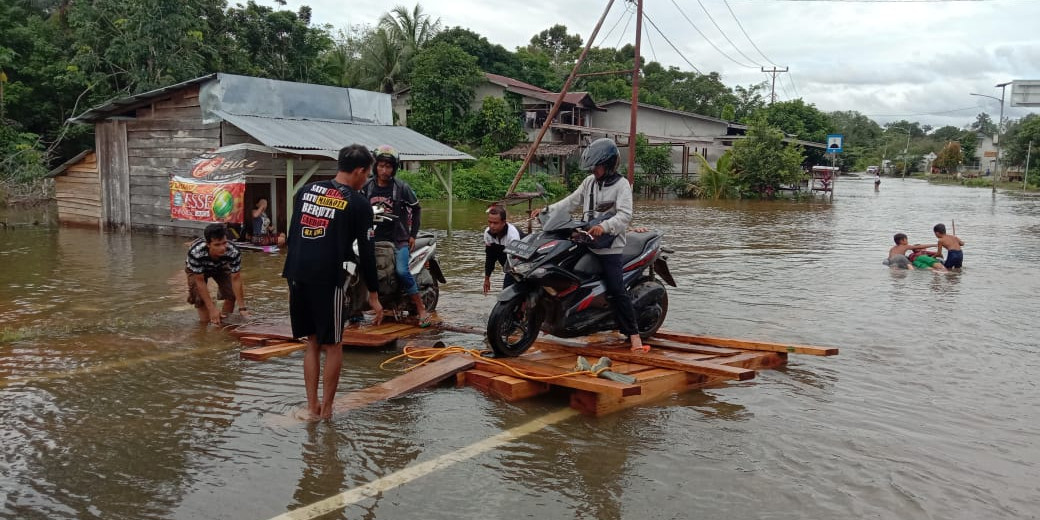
(611,31)
(746,34)
(730,58)
(924,113)
(674,48)
(710,17)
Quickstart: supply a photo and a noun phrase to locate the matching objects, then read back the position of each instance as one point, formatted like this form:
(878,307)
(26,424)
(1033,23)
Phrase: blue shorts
(954,259)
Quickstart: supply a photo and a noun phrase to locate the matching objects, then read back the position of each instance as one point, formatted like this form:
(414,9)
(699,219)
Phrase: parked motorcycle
(422,263)
(559,288)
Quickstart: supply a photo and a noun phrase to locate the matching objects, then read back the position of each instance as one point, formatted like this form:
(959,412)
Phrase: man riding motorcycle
(606,199)
(398,200)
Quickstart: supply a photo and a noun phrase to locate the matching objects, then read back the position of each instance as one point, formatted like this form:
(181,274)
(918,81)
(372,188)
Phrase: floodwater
(115,404)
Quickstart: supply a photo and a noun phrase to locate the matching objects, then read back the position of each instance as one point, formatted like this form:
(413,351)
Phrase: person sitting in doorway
(214,257)
(264,233)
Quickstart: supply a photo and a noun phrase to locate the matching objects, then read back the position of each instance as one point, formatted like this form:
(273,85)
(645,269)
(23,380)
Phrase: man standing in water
(328,216)
(497,236)
(212,256)
(606,198)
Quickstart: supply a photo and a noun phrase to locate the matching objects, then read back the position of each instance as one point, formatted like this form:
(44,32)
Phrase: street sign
(1025,93)
(834,143)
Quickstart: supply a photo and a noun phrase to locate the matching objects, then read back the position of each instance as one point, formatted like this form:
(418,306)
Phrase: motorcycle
(422,263)
(559,290)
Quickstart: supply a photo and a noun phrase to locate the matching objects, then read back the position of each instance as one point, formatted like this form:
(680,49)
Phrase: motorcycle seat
(635,243)
(589,265)
(423,239)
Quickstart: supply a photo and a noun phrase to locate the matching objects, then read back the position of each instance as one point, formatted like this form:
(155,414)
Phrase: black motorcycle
(559,288)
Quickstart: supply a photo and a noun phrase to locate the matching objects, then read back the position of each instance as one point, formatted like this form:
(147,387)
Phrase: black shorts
(316,309)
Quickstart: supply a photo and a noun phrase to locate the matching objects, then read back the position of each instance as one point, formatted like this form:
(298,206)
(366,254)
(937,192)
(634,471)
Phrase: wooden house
(296,128)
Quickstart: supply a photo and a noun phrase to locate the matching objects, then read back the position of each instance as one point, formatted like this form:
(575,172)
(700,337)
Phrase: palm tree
(382,63)
(411,29)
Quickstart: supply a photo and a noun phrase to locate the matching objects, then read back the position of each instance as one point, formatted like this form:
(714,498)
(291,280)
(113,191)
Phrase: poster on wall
(212,188)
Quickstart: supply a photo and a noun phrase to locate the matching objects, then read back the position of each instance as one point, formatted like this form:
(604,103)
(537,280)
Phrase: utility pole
(1000,123)
(772,90)
(635,98)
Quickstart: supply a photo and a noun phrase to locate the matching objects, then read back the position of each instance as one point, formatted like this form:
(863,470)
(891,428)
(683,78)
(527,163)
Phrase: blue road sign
(834,143)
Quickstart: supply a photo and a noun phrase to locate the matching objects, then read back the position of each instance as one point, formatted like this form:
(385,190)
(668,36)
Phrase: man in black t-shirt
(328,216)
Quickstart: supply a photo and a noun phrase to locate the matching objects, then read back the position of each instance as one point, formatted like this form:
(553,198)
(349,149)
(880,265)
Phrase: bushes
(487,178)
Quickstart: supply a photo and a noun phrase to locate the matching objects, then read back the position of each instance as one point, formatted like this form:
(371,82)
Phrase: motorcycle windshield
(558,220)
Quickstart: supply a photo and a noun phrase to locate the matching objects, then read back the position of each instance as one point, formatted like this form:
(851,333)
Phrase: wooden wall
(165,136)
(78,190)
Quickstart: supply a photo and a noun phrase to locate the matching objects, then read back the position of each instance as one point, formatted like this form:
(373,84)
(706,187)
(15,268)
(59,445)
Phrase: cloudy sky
(888,59)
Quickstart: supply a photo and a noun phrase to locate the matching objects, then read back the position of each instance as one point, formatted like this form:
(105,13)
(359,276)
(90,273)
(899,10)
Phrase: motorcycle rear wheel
(647,326)
(513,327)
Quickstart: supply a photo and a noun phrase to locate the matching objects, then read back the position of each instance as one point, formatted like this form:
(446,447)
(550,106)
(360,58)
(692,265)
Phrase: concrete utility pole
(1000,124)
(772,90)
(635,98)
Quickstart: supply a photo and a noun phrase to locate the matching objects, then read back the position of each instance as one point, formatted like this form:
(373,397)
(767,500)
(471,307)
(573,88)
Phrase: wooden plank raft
(676,363)
(269,340)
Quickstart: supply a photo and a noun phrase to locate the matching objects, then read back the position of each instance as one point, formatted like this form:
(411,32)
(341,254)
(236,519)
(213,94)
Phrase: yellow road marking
(406,475)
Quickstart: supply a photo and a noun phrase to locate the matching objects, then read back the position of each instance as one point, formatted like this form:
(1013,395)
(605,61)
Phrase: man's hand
(373,302)
(487,284)
(411,243)
(244,312)
(214,315)
(596,230)
(535,212)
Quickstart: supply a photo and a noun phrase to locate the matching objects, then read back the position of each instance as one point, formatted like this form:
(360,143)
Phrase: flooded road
(115,404)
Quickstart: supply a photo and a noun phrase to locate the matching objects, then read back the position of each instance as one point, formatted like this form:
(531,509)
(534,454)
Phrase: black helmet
(386,153)
(600,151)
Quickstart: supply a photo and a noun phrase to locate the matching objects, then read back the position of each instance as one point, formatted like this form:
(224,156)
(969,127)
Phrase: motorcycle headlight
(522,269)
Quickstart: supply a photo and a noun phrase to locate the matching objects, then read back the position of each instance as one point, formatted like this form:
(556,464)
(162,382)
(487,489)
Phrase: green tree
(804,121)
(382,66)
(490,57)
(984,123)
(409,31)
(763,163)
(443,87)
(275,44)
(496,126)
(750,99)
(950,158)
(1017,139)
(561,48)
(654,162)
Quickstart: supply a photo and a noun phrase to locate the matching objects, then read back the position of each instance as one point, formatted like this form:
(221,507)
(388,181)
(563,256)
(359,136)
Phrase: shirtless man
(897,255)
(954,255)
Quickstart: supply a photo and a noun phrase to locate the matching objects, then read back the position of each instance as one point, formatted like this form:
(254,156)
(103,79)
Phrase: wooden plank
(662,359)
(385,328)
(281,330)
(170,124)
(422,377)
(253,341)
(504,387)
(583,382)
(276,349)
(747,344)
(687,347)
(598,404)
(360,339)
(757,360)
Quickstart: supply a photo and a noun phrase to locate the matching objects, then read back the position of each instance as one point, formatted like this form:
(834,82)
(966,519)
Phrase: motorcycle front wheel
(513,326)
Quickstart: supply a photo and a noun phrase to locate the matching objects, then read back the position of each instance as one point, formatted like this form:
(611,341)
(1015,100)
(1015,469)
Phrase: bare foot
(637,344)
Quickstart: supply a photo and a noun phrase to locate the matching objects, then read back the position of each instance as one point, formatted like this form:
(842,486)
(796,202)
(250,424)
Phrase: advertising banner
(212,189)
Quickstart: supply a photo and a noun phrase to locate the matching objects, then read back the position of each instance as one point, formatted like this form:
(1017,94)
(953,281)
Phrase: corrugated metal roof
(117,106)
(60,169)
(326,138)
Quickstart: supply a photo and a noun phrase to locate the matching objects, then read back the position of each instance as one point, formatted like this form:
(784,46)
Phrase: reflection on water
(114,403)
